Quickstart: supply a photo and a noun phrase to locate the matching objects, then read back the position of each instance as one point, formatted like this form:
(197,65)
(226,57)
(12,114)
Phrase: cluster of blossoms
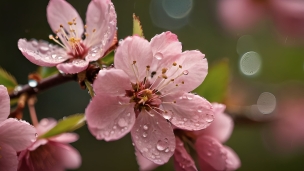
(145,93)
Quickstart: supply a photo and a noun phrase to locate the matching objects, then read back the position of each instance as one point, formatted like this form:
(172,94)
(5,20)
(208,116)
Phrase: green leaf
(47,71)
(67,124)
(215,85)
(137,28)
(107,60)
(7,80)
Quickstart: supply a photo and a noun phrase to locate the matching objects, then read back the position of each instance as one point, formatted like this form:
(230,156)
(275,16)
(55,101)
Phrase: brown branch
(44,84)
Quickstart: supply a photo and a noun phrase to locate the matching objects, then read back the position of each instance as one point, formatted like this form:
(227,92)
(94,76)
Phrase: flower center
(143,97)
(71,40)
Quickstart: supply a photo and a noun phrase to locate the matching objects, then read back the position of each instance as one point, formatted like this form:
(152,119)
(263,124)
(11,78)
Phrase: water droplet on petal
(162,144)
(43,49)
(186,72)
(122,122)
(145,127)
(167,150)
(167,115)
(189,97)
(209,118)
(158,56)
(145,135)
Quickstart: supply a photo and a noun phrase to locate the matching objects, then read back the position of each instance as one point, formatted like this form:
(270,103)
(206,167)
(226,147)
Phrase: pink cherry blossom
(15,135)
(52,153)
(147,92)
(75,53)
(212,155)
(241,15)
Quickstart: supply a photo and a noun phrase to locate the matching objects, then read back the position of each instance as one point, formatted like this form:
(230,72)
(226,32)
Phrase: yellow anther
(174,101)
(164,76)
(164,70)
(94,30)
(183,82)
(174,63)
(61,26)
(172,80)
(70,23)
(134,62)
(180,66)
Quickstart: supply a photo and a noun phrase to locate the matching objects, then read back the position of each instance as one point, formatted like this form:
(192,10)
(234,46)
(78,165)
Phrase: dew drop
(186,72)
(145,149)
(53,56)
(158,56)
(43,49)
(32,83)
(189,97)
(185,119)
(145,135)
(114,127)
(122,122)
(167,115)
(209,118)
(145,127)
(128,114)
(167,150)
(162,144)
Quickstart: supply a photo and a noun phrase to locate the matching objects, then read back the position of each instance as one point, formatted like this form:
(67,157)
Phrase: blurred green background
(281,65)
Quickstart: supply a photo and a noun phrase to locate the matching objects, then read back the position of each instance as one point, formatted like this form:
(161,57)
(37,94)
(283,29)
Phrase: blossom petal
(42,53)
(190,72)
(222,126)
(154,138)
(101,17)
(60,12)
(75,66)
(133,49)
(233,160)
(109,117)
(4,103)
(182,160)
(112,82)
(212,155)
(18,134)
(65,138)
(67,155)
(9,159)
(165,48)
(45,125)
(189,111)
(144,163)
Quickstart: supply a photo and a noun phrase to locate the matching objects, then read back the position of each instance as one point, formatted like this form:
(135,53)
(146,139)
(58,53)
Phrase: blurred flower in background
(240,16)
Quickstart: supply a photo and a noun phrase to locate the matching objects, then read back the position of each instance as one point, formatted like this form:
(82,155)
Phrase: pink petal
(193,72)
(144,163)
(42,53)
(65,138)
(165,47)
(109,117)
(212,155)
(9,159)
(45,125)
(75,66)
(68,156)
(4,103)
(18,134)
(133,49)
(182,160)
(222,126)
(190,112)
(233,160)
(153,137)
(167,44)
(112,82)
(101,16)
(240,15)
(59,12)
(37,143)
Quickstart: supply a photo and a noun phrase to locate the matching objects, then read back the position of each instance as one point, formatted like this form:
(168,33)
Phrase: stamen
(135,71)
(52,38)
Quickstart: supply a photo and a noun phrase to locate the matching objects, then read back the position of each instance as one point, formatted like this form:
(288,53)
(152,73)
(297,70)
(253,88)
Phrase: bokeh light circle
(250,63)
(266,103)
(177,8)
